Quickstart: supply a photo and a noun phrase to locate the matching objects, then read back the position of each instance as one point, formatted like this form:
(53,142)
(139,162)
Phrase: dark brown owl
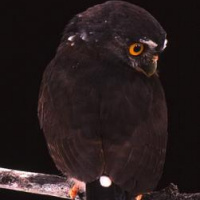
(101,104)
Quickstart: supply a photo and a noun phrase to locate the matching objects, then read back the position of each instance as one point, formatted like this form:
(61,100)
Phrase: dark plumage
(102,109)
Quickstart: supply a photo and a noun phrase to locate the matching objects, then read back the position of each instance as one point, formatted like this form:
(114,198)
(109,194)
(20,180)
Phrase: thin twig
(171,193)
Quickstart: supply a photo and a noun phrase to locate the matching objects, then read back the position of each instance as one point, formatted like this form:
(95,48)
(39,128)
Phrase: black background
(30,33)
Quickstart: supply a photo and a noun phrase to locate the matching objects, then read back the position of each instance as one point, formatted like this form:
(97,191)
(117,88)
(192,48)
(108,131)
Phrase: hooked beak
(155,58)
(150,68)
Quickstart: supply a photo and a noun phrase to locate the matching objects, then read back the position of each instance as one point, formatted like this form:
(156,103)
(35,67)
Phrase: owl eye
(136,49)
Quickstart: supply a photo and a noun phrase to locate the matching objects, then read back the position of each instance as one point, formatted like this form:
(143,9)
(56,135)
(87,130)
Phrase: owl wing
(68,111)
(134,131)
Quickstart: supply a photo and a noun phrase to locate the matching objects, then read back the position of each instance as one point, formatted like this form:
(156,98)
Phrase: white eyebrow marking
(165,44)
(150,43)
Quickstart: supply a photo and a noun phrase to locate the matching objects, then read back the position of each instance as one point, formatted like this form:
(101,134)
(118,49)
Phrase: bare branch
(36,183)
(171,193)
(58,186)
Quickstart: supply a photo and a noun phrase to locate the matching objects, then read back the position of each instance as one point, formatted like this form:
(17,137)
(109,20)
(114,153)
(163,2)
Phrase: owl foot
(138,197)
(73,191)
(77,188)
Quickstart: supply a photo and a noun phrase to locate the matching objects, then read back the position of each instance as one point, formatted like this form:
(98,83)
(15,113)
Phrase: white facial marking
(71,38)
(165,44)
(150,43)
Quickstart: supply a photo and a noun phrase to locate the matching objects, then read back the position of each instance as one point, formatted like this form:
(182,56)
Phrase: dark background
(30,33)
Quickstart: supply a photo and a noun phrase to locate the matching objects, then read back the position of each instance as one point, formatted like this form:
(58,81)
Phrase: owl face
(143,55)
(140,54)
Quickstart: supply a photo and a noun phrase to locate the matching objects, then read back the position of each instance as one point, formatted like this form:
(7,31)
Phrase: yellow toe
(73,192)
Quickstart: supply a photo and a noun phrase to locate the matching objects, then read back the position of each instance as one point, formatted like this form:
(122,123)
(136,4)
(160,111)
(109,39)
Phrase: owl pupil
(137,48)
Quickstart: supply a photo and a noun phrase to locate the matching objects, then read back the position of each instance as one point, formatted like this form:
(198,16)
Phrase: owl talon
(73,191)
(138,197)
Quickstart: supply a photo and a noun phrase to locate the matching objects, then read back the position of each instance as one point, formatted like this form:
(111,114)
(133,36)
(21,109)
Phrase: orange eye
(136,49)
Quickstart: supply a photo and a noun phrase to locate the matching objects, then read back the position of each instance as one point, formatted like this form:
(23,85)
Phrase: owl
(101,104)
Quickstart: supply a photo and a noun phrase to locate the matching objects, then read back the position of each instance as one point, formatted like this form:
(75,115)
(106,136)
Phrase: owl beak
(155,58)
(151,68)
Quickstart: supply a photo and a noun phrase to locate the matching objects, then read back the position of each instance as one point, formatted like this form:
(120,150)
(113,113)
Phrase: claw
(73,191)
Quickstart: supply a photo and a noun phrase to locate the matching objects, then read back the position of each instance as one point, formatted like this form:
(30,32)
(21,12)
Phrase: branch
(171,193)
(58,186)
(36,183)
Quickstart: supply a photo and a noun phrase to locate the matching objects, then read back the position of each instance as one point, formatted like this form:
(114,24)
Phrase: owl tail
(95,191)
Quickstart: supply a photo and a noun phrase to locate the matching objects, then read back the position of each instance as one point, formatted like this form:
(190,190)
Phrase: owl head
(124,30)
